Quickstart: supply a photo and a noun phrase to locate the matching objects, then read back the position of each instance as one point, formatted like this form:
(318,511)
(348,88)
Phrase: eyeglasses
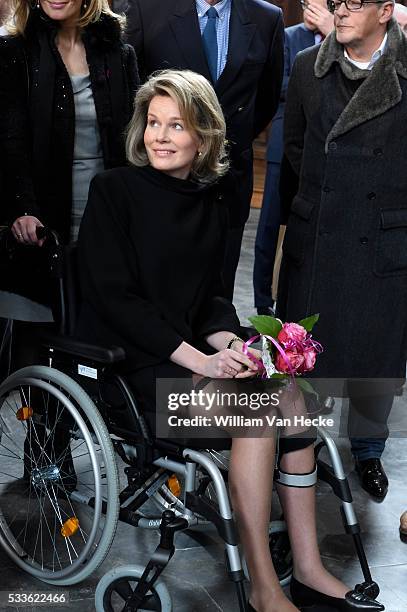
(351,5)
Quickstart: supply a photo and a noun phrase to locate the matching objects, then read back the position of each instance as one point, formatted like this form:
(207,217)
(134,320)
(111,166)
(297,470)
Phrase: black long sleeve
(150,252)
(294,122)
(269,87)
(18,196)
(110,282)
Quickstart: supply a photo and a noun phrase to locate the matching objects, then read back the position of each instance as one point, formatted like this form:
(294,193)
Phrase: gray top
(88,156)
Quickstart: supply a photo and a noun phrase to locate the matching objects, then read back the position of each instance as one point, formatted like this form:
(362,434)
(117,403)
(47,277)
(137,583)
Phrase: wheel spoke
(51,446)
(3,433)
(27,515)
(123,589)
(49,531)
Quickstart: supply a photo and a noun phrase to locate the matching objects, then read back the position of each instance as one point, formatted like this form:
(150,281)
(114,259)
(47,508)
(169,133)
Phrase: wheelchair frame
(140,453)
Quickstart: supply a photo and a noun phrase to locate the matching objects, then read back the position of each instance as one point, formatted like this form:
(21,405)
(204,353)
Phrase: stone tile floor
(196,576)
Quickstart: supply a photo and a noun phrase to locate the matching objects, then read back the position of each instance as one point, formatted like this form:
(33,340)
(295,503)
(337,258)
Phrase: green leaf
(305,386)
(266,325)
(309,322)
(279,376)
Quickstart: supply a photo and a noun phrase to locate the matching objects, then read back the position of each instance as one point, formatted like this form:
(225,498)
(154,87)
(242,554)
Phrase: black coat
(151,249)
(166,34)
(345,250)
(37,115)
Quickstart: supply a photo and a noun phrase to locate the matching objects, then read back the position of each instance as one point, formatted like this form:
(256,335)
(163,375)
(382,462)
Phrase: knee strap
(295,480)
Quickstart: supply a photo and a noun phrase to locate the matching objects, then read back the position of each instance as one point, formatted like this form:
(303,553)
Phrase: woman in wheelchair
(150,251)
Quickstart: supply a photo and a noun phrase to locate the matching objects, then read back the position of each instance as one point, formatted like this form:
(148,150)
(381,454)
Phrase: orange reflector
(174,485)
(24,413)
(70,527)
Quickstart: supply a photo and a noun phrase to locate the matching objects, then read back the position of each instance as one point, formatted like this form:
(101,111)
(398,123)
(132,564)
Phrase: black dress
(151,248)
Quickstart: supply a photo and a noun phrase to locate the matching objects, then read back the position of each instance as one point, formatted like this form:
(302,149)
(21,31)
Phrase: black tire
(118,584)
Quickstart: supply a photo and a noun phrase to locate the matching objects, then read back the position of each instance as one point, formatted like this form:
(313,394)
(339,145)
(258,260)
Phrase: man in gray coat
(345,250)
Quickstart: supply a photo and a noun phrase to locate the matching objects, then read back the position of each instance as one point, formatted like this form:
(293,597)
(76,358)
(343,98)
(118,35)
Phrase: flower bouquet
(288,349)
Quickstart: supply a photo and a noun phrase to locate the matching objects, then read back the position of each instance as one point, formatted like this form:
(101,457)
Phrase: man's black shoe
(372,477)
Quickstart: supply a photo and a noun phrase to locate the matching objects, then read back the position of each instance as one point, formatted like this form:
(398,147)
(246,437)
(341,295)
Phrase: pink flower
(292,331)
(295,359)
(310,356)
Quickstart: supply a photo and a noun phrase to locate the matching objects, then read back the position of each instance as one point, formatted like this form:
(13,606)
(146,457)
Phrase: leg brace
(295,480)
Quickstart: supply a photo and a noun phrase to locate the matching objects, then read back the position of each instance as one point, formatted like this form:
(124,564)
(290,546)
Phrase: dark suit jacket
(166,34)
(297,38)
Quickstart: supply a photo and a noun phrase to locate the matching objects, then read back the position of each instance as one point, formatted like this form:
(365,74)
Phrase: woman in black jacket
(67,84)
(150,247)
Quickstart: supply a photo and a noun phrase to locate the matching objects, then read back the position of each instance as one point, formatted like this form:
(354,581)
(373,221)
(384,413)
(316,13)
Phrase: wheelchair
(65,429)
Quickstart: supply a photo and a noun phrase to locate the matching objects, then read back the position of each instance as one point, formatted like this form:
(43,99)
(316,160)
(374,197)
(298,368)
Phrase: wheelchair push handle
(47,233)
(42,232)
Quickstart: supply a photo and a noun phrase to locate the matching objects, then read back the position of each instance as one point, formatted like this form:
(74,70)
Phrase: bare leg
(250,483)
(299,512)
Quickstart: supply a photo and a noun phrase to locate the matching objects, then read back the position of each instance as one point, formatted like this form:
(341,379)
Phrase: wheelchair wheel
(116,587)
(58,477)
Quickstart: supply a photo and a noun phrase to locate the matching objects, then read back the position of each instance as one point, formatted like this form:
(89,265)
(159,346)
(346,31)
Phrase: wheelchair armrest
(93,352)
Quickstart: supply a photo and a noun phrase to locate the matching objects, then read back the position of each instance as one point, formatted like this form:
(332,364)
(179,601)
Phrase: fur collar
(331,51)
(106,30)
(380,89)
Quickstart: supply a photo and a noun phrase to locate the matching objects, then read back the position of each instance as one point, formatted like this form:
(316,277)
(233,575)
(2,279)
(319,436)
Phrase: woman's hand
(223,338)
(25,230)
(228,364)
(238,346)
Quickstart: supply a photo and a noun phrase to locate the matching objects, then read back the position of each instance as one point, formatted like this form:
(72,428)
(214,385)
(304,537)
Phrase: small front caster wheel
(116,587)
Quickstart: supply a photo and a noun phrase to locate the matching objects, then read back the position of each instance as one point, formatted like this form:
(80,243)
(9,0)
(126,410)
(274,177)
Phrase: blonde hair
(201,112)
(20,11)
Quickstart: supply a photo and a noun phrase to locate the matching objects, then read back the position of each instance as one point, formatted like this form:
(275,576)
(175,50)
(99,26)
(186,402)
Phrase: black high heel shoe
(303,597)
